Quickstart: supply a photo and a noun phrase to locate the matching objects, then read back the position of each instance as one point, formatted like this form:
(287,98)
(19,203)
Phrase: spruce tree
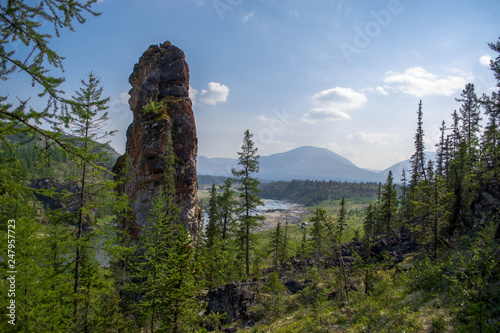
(491,136)
(227,205)
(317,234)
(418,158)
(249,194)
(335,231)
(212,232)
(389,206)
(470,122)
(276,245)
(405,204)
(441,161)
(166,270)
(369,222)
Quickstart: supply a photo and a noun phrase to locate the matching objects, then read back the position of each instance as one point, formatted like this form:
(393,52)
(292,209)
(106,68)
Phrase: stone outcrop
(234,299)
(161,75)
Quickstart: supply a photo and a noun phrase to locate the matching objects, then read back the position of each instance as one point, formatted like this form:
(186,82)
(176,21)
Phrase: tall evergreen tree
(418,158)
(227,205)
(336,233)
(212,233)
(249,194)
(275,245)
(369,222)
(470,118)
(86,123)
(317,234)
(441,161)
(405,204)
(389,205)
(491,135)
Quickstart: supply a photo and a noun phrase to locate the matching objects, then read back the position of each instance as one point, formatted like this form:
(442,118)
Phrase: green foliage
(369,222)
(317,235)
(213,228)
(227,206)
(389,206)
(249,196)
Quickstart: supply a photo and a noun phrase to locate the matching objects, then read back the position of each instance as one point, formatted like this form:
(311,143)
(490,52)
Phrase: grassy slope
(457,293)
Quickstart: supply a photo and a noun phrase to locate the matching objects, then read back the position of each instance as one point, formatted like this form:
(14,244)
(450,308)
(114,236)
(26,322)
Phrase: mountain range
(304,163)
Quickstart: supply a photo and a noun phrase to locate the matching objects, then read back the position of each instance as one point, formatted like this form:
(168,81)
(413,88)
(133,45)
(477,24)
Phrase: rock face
(161,75)
(234,299)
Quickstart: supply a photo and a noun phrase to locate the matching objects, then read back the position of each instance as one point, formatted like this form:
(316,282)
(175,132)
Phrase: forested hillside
(41,160)
(311,192)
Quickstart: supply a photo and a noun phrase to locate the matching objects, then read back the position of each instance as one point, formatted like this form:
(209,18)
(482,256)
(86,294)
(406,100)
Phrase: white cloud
(485,60)
(192,94)
(341,149)
(122,99)
(418,82)
(372,138)
(331,105)
(216,93)
(248,16)
(381,91)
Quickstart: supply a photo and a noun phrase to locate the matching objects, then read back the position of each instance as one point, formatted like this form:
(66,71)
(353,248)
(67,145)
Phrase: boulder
(234,299)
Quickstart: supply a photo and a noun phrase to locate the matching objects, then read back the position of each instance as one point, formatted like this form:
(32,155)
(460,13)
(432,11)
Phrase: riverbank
(282,211)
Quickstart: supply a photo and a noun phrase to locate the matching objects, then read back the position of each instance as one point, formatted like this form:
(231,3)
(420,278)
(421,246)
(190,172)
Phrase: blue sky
(343,75)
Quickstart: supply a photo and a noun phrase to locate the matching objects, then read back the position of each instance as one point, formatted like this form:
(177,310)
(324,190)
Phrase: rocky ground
(293,215)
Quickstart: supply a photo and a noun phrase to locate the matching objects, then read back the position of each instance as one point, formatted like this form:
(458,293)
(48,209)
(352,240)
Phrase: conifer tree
(335,231)
(470,118)
(317,234)
(227,203)
(25,49)
(418,158)
(275,245)
(213,218)
(166,272)
(405,204)
(86,123)
(441,161)
(491,135)
(389,204)
(249,194)
(369,222)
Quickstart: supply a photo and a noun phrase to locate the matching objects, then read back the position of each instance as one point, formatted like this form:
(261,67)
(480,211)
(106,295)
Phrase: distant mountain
(301,163)
(397,169)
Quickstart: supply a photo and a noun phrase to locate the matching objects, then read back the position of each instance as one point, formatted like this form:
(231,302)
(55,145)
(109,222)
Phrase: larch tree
(25,50)
(86,124)
(249,194)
